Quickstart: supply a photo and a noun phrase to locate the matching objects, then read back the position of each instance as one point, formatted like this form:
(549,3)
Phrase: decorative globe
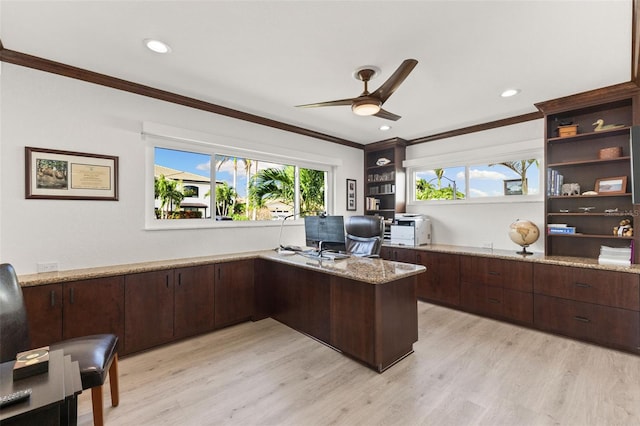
(524,233)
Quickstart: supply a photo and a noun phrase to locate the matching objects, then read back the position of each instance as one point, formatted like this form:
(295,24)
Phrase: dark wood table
(54,394)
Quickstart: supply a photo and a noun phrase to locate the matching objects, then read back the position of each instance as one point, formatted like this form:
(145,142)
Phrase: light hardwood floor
(466,370)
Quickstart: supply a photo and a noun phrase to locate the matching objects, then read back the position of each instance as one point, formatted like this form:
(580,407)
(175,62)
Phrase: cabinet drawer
(610,288)
(601,324)
(498,302)
(509,274)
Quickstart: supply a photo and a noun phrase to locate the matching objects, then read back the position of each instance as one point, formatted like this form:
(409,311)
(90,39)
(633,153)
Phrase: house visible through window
(244,189)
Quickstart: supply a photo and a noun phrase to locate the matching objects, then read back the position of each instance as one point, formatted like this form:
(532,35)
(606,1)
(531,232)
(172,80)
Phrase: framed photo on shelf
(55,174)
(611,185)
(351,195)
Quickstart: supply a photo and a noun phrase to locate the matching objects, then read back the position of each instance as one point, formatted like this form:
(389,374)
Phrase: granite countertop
(369,270)
(374,271)
(580,262)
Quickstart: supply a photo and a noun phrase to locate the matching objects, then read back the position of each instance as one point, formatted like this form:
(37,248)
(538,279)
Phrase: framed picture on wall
(351,194)
(67,175)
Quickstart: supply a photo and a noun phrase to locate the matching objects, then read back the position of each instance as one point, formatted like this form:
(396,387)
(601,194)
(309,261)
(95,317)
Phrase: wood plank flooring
(466,370)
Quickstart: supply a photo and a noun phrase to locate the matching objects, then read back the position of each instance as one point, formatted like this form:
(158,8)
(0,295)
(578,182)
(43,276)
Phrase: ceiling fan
(371,103)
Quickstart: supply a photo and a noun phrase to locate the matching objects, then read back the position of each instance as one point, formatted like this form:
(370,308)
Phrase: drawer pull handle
(581,319)
(492,300)
(71,296)
(583,285)
(53,298)
(494,273)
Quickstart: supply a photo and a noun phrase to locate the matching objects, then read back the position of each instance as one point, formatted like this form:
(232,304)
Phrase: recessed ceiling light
(510,92)
(385,127)
(157,46)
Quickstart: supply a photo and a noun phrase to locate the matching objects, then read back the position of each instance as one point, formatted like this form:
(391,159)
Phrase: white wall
(48,111)
(478,224)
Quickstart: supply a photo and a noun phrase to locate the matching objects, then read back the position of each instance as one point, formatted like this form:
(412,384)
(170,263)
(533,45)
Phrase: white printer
(411,229)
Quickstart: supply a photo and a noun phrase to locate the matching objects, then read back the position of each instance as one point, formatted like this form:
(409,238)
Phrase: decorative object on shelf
(589,193)
(609,153)
(611,185)
(383,161)
(564,210)
(611,210)
(70,175)
(568,130)
(586,209)
(351,194)
(570,189)
(600,126)
(624,229)
(524,233)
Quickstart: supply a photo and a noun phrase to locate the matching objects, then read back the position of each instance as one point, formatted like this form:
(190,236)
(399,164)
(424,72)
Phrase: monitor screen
(326,229)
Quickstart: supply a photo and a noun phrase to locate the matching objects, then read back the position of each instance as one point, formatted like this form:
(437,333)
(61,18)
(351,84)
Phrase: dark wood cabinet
(234,292)
(194,300)
(441,282)
(384,178)
(396,254)
(582,157)
(78,308)
(594,305)
(497,287)
(94,306)
(44,313)
(149,309)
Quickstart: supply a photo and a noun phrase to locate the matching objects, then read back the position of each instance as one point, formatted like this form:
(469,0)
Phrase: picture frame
(512,187)
(352,202)
(68,175)
(611,185)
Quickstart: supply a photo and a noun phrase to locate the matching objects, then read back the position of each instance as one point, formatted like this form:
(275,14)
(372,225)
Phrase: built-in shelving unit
(584,158)
(384,192)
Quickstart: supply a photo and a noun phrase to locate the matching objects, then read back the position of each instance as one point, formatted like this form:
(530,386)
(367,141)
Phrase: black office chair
(96,354)
(364,235)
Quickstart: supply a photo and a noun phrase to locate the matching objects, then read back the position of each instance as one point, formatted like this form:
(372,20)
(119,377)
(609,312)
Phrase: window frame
(153,141)
(508,152)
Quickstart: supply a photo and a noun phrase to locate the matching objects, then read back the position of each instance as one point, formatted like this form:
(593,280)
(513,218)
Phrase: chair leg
(113,382)
(96,400)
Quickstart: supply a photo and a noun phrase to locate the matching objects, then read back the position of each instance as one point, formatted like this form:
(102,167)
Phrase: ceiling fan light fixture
(366,107)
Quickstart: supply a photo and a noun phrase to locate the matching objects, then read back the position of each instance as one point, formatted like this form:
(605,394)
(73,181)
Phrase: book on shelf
(554,183)
(372,203)
(561,229)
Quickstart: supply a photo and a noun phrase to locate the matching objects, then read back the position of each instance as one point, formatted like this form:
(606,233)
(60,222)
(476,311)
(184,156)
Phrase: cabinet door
(93,307)
(618,289)
(148,309)
(234,292)
(194,300)
(509,274)
(44,313)
(405,255)
(441,282)
(601,324)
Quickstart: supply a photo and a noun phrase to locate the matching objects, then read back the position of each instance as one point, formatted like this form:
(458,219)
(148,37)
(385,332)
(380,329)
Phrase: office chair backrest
(364,235)
(14,328)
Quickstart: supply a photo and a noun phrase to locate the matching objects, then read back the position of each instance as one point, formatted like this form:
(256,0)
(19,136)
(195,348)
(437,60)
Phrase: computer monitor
(325,232)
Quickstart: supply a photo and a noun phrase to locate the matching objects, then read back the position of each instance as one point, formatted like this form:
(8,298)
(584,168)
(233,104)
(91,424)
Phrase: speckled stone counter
(370,270)
(374,271)
(578,262)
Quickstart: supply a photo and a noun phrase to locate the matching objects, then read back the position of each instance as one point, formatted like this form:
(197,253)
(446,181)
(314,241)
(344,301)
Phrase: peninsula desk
(366,308)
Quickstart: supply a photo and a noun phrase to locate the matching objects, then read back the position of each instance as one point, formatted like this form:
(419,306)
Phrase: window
(478,181)
(245,189)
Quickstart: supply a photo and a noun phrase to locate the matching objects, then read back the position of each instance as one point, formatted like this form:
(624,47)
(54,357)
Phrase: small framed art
(351,194)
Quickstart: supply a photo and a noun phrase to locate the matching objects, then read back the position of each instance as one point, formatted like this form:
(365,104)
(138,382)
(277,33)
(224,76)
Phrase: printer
(411,229)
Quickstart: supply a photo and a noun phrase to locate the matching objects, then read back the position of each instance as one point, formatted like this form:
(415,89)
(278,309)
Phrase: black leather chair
(96,354)
(364,235)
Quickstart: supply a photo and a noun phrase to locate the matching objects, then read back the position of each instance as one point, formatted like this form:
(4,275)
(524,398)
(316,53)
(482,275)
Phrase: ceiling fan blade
(388,87)
(387,115)
(328,103)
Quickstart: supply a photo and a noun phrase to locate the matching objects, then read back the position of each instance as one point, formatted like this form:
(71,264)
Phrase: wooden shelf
(588,162)
(570,197)
(590,135)
(578,235)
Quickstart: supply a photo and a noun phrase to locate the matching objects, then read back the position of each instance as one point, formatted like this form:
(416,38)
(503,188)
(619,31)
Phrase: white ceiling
(264,57)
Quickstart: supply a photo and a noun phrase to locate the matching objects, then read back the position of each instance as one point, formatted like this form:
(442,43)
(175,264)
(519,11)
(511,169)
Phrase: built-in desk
(365,308)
